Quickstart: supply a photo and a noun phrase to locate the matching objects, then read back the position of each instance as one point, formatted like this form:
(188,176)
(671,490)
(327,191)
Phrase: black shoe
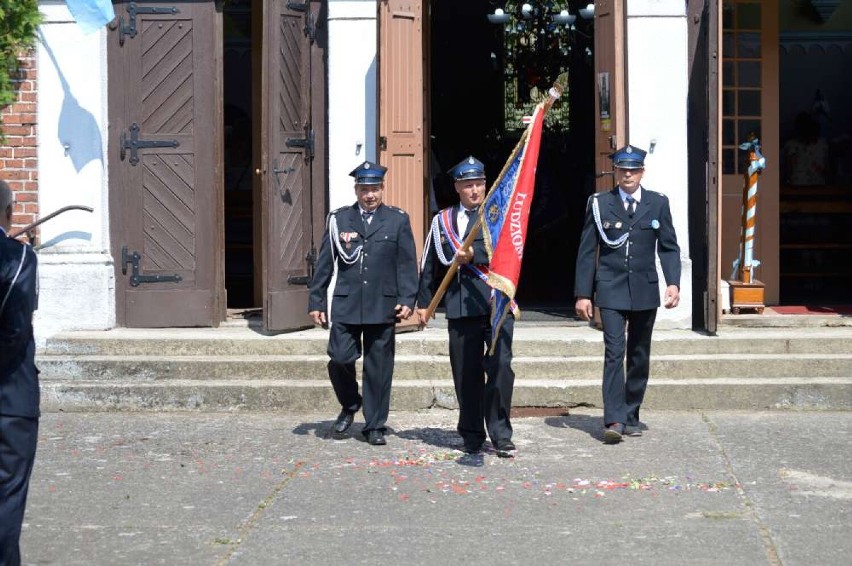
(343,422)
(376,438)
(632,430)
(613,433)
(473,447)
(505,448)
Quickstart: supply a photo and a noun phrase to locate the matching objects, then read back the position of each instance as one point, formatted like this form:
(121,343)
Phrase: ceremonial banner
(505,215)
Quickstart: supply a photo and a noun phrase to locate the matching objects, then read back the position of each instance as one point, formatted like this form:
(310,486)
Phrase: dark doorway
(472,62)
(815,77)
(239,221)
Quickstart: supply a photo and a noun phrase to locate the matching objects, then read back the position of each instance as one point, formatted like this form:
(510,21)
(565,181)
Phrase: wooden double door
(166,159)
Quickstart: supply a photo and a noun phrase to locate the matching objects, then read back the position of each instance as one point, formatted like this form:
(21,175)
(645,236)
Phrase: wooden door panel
(610,107)
(288,147)
(165,200)
(401,109)
(401,113)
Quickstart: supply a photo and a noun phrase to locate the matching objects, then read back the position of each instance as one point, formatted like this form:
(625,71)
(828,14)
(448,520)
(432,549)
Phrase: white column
(77,285)
(657,80)
(352,93)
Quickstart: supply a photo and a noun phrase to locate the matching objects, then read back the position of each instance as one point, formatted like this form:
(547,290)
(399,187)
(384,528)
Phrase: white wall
(657,81)
(77,287)
(351,93)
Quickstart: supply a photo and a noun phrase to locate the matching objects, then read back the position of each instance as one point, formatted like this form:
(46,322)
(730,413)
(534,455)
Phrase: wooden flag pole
(554,93)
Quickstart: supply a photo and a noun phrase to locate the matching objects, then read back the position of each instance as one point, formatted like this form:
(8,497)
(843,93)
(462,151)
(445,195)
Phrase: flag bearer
(484,406)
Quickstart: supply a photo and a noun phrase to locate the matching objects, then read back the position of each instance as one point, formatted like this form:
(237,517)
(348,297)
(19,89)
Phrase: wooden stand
(746,296)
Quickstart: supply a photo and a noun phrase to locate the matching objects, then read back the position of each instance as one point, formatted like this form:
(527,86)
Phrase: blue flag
(505,216)
(91,15)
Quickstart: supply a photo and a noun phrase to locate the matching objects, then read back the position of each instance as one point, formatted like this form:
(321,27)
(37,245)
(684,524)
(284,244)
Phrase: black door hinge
(132,10)
(137,278)
(311,258)
(307,142)
(134,144)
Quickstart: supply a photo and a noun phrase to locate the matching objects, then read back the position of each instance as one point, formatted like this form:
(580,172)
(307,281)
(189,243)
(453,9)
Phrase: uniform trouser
(479,399)
(18,439)
(622,397)
(344,347)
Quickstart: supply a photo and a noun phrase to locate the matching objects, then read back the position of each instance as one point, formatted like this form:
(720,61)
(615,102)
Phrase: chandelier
(538,46)
(547,10)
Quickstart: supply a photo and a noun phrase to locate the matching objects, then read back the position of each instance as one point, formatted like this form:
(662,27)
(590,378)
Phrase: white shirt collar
(637,196)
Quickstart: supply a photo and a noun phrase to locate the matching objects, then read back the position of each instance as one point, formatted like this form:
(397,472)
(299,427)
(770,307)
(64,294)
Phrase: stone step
(235,368)
(316,395)
(299,367)
(528,341)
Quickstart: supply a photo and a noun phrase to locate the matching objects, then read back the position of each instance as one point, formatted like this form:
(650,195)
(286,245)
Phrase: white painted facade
(76,278)
(352,91)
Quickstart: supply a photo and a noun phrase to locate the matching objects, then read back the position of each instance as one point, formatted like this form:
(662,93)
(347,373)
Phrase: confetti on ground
(443,473)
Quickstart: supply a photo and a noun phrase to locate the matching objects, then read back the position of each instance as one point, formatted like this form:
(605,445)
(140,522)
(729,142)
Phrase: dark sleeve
(16,320)
(323,271)
(406,270)
(667,247)
(584,278)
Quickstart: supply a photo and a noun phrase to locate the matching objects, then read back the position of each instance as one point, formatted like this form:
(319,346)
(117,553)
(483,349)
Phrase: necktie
(631,205)
(366,216)
(471,220)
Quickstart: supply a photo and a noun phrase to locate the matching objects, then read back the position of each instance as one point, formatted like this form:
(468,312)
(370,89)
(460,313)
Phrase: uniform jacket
(625,278)
(19,393)
(466,295)
(367,291)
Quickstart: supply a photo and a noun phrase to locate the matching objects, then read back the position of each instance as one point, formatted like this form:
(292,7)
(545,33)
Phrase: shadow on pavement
(440,437)
(320,429)
(591,425)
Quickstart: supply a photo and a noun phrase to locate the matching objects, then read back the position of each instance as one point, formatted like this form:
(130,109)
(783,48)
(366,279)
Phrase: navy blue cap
(470,168)
(369,173)
(628,157)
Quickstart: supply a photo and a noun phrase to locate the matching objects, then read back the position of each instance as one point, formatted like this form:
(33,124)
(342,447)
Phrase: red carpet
(809,309)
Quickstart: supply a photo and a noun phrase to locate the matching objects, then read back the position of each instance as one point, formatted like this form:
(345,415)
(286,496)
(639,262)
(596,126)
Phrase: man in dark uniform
(625,229)
(468,307)
(19,393)
(370,248)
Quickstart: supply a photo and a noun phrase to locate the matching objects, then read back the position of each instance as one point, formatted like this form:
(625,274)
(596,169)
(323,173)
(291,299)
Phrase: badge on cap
(618,225)
(655,224)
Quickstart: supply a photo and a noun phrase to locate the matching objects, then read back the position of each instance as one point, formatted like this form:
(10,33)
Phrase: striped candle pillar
(746,263)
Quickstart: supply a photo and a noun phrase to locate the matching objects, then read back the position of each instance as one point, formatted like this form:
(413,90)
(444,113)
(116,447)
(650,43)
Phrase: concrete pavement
(701,487)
